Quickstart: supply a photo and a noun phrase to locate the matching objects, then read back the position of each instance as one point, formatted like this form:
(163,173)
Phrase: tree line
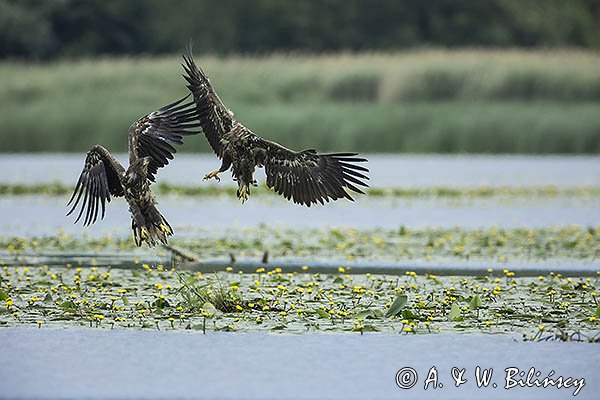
(36,29)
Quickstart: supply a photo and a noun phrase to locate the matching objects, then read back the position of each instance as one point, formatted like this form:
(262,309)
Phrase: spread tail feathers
(156,229)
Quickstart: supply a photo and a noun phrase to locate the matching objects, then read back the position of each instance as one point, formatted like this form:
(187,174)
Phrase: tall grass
(419,101)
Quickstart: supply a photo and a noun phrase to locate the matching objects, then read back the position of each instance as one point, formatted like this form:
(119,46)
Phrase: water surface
(396,170)
(103,364)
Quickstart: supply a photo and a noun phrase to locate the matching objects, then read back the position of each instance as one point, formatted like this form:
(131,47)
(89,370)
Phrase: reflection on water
(386,170)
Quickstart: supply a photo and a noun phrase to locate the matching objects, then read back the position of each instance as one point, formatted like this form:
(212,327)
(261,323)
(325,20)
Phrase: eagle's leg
(138,225)
(245,179)
(243,192)
(224,167)
(213,174)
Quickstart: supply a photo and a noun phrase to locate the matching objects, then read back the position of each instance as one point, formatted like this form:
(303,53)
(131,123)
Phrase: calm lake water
(386,170)
(25,215)
(104,364)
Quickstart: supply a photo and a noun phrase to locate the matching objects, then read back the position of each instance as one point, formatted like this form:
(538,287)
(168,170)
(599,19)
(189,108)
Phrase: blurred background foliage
(509,76)
(58,28)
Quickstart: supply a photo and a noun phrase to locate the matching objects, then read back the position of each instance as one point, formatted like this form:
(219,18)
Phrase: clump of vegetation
(200,294)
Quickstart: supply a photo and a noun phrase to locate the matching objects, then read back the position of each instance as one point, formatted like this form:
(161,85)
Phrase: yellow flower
(341,269)
(238,307)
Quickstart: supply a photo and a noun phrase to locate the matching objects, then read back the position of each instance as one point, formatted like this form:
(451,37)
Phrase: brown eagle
(150,143)
(306,177)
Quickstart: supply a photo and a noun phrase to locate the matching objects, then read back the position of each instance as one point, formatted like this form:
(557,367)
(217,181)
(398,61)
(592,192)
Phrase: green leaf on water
(125,301)
(475,302)
(280,327)
(339,279)
(397,305)
(68,305)
(161,303)
(322,313)
(209,308)
(3,296)
(598,311)
(454,313)
(369,313)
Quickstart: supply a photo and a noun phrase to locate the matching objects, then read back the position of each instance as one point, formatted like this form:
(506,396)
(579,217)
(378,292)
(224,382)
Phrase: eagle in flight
(150,143)
(306,177)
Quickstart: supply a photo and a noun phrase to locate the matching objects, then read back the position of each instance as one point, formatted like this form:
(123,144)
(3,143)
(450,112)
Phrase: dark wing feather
(306,177)
(215,119)
(99,179)
(154,134)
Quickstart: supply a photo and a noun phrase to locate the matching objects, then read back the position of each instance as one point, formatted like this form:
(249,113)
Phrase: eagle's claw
(213,174)
(243,193)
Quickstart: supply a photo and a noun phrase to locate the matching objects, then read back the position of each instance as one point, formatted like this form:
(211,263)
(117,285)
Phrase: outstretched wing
(307,177)
(154,134)
(99,179)
(215,119)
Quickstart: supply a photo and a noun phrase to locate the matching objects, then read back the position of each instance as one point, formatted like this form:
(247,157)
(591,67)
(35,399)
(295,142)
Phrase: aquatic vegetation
(502,192)
(429,245)
(271,299)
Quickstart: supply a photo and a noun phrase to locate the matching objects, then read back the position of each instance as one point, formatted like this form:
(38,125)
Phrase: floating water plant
(271,299)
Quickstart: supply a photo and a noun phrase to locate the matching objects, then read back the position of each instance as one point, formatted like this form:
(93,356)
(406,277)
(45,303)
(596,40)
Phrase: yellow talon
(166,229)
(213,174)
(244,193)
(144,233)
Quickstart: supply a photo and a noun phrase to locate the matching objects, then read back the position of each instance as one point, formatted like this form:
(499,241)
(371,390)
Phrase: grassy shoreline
(512,101)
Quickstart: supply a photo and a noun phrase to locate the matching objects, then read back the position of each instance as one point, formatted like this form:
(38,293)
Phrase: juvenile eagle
(150,148)
(306,177)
